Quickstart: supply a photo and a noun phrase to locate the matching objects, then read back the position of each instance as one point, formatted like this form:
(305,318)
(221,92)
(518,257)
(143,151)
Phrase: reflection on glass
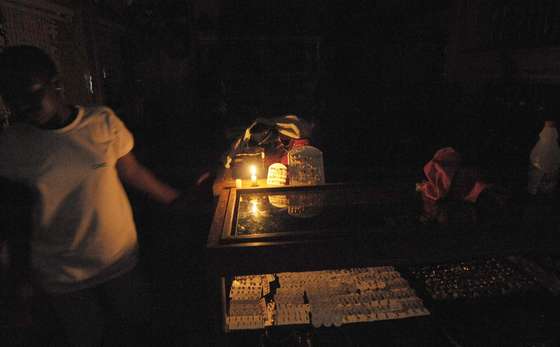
(278,201)
(288,211)
(337,209)
(305,205)
(255,208)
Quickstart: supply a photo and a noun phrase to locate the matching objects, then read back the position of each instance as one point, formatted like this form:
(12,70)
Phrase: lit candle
(253,169)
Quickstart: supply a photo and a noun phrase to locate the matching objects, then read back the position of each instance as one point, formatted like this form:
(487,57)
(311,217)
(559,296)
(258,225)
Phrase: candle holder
(243,161)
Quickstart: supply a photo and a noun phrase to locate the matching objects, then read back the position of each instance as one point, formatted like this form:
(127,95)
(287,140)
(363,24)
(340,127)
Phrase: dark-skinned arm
(136,175)
(15,226)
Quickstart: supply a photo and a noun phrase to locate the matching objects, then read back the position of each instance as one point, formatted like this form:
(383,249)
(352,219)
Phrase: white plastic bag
(545,162)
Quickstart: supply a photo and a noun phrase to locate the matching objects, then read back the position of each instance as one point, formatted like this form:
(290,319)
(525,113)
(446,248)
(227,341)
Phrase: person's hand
(192,202)
(202,179)
(182,202)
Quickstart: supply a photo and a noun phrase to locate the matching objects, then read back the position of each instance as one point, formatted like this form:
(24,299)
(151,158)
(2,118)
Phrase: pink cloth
(446,177)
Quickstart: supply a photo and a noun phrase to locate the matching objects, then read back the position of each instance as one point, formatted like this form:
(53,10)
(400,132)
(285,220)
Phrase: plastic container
(544,165)
(305,166)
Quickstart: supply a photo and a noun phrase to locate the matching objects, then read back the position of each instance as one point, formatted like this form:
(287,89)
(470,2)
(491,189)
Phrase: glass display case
(465,258)
(307,212)
(365,223)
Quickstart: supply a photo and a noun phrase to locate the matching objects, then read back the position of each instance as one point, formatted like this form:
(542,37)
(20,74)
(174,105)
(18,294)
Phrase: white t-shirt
(84,230)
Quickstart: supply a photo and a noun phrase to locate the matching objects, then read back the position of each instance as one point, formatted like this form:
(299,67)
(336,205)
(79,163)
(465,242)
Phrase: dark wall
(378,78)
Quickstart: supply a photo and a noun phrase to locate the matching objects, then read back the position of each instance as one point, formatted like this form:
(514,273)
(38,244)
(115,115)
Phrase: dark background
(386,83)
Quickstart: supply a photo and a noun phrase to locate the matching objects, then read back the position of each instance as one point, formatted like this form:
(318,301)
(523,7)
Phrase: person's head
(29,85)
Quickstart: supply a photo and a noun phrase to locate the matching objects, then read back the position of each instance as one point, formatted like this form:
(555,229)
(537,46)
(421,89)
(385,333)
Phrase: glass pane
(296,211)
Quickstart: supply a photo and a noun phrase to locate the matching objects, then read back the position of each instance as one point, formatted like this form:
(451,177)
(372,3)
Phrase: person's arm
(15,216)
(138,176)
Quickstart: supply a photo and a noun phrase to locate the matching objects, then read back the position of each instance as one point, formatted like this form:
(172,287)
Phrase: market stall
(360,256)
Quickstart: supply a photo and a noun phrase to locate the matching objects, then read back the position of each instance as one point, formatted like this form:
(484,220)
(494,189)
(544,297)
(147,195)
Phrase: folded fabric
(446,178)
(266,132)
(288,125)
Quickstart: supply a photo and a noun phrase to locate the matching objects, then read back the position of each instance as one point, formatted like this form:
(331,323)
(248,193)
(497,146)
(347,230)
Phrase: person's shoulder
(100,115)
(100,119)
(97,111)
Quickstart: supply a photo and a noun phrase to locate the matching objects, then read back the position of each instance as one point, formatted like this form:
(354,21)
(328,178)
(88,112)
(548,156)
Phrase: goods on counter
(474,279)
(277,175)
(247,307)
(322,298)
(305,166)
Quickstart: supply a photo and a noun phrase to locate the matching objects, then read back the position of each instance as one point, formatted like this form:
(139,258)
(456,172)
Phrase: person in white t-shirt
(83,243)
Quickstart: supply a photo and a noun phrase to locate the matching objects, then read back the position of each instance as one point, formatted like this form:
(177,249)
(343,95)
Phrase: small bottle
(545,161)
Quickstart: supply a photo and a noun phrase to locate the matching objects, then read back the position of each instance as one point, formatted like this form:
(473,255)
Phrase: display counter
(275,229)
(471,257)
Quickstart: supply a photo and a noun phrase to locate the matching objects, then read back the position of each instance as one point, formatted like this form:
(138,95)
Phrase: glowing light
(253,170)
(254,207)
